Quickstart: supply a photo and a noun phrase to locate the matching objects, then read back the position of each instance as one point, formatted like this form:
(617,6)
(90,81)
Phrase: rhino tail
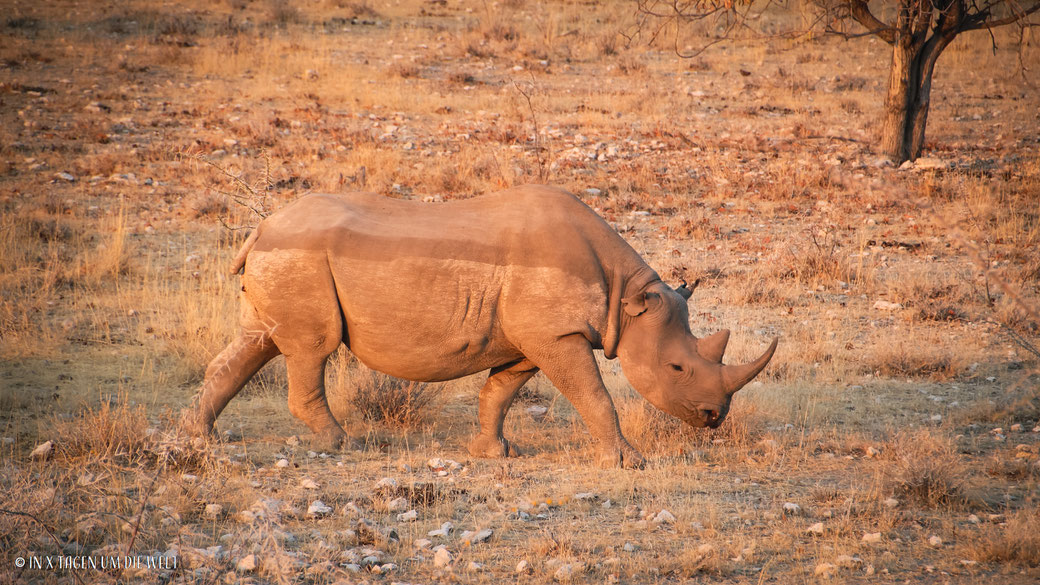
(240,259)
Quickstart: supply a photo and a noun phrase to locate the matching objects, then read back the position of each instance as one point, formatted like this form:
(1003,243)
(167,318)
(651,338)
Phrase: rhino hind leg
(226,375)
(496,397)
(308,402)
(571,366)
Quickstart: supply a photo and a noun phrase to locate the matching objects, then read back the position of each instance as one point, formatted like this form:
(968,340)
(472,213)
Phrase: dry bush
(1014,542)
(282,13)
(928,471)
(109,431)
(391,401)
(922,358)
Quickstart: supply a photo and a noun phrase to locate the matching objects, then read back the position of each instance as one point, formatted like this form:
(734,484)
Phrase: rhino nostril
(710,415)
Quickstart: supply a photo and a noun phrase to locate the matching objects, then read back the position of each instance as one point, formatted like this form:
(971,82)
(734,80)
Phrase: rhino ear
(685,290)
(638,304)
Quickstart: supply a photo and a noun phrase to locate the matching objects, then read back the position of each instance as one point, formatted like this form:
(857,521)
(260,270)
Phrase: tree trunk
(909,94)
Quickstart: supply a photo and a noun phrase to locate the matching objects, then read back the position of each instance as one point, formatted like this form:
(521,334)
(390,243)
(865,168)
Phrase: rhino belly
(426,320)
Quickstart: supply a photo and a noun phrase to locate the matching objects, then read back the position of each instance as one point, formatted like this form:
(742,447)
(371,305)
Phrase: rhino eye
(676,367)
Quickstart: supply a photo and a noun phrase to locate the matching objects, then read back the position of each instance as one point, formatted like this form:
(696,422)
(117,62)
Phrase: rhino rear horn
(734,377)
(713,346)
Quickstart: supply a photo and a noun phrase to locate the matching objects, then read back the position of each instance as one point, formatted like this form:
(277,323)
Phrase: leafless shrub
(381,398)
(917,360)
(282,13)
(929,472)
(113,430)
(1015,542)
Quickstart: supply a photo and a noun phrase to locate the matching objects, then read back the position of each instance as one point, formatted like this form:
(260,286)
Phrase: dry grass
(764,184)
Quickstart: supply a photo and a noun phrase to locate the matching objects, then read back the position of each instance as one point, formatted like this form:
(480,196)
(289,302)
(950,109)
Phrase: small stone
(768,445)
(308,484)
(282,463)
(66,176)
(397,504)
(873,452)
(826,570)
(523,568)
(386,483)
(292,441)
(369,532)
(213,510)
(968,563)
(935,541)
(891,503)
(409,516)
(792,509)
(664,517)
(442,558)
(474,567)
(586,496)
(443,531)
(815,528)
(246,564)
(536,412)
(318,509)
(566,572)
(974,519)
(848,562)
(421,543)
(42,451)
(871,537)
(705,549)
(629,547)
(593,192)
(887,306)
(1016,428)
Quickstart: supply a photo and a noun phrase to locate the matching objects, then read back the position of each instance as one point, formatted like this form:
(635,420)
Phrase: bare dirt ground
(893,438)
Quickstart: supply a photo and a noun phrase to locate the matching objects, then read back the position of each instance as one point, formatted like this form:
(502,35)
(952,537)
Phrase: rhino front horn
(734,377)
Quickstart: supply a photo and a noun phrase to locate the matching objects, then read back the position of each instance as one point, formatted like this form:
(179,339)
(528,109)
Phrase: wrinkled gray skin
(522,280)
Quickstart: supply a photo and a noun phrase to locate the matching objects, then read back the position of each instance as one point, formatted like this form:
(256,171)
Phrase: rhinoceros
(523,280)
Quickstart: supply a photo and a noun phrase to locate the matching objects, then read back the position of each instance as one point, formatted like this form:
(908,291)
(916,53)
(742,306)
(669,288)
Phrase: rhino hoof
(330,441)
(493,447)
(193,426)
(625,457)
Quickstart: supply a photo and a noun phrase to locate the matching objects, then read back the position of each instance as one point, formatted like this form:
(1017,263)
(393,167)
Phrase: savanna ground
(893,437)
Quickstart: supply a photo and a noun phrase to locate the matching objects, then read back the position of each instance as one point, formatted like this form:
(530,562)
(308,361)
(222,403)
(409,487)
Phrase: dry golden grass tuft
(1014,542)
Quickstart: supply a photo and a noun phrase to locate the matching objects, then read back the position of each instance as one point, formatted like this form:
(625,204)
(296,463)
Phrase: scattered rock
(935,541)
(537,412)
(871,537)
(474,567)
(387,483)
(470,537)
(421,543)
(282,463)
(442,532)
(397,504)
(442,558)
(213,510)
(664,517)
(792,509)
(873,452)
(409,516)
(523,568)
(848,562)
(443,467)
(292,441)
(629,547)
(42,452)
(66,176)
(586,496)
(891,503)
(318,509)
(566,572)
(308,484)
(815,528)
(887,306)
(247,564)
(826,570)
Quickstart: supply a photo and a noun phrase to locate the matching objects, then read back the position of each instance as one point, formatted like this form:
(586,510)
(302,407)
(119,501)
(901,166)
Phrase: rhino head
(675,371)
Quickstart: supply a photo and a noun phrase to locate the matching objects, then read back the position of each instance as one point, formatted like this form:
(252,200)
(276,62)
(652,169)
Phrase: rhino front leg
(307,400)
(571,366)
(496,397)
